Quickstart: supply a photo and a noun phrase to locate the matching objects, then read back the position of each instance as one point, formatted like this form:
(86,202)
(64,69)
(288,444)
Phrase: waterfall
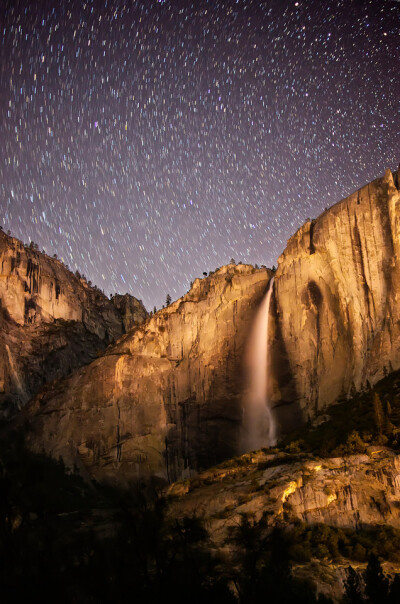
(258,421)
(15,376)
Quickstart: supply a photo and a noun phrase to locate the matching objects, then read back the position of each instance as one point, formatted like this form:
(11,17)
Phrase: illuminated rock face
(50,321)
(358,490)
(337,300)
(167,398)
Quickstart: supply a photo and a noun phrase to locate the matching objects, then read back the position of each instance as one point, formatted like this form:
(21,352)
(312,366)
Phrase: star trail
(146,142)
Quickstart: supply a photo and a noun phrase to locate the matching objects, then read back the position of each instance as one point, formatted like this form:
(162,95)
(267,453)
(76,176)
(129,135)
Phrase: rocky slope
(167,398)
(51,321)
(337,304)
(130,310)
(351,491)
(360,492)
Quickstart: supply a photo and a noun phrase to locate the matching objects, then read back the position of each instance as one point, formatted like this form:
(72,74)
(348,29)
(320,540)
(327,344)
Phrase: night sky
(146,142)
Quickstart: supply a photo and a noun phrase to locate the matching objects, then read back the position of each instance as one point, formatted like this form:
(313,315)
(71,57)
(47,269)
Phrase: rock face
(131,310)
(51,321)
(167,398)
(337,300)
(359,490)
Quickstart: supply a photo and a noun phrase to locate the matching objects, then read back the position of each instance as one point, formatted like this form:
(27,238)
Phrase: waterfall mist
(259,429)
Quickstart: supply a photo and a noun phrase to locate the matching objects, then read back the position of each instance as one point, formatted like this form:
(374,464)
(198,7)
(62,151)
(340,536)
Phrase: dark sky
(146,142)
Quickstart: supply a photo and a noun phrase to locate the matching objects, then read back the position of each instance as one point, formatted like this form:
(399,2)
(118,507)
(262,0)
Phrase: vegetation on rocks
(371,586)
(65,539)
(99,544)
(369,418)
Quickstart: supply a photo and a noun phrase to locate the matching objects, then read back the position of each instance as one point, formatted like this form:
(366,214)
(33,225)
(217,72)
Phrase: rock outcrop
(355,491)
(337,301)
(166,399)
(51,321)
(358,492)
(131,310)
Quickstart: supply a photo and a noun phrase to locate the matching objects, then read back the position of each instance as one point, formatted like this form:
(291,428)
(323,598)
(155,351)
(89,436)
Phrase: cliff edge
(51,321)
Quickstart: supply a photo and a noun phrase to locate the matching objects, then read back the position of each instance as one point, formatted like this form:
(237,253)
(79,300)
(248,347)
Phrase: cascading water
(15,376)
(258,421)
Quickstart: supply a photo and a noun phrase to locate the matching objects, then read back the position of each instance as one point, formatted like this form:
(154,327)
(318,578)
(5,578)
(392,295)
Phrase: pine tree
(379,416)
(376,584)
(388,426)
(168,300)
(394,594)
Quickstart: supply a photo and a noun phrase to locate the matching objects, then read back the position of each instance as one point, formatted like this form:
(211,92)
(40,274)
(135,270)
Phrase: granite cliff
(337,303)
(320,503)
(51,321)
(166,399)
(349,492)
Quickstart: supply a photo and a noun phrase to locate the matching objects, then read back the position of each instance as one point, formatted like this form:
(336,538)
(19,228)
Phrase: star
(146,143)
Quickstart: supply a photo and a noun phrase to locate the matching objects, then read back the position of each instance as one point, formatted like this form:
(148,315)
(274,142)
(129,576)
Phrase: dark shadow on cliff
(41,354)
(64,540)
(369,418)
(207,431)
(204,433)
(287,412)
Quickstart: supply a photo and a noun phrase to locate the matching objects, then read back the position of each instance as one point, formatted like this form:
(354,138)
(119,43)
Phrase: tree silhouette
(168,300)
(394,595)
(379,417)
(262,570)
(376,584)
(353,588)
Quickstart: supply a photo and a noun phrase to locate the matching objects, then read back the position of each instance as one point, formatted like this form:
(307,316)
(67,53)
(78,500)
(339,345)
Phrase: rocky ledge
(353,491)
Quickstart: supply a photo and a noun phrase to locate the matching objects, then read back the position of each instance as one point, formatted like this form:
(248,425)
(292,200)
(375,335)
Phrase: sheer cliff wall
(337,300)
